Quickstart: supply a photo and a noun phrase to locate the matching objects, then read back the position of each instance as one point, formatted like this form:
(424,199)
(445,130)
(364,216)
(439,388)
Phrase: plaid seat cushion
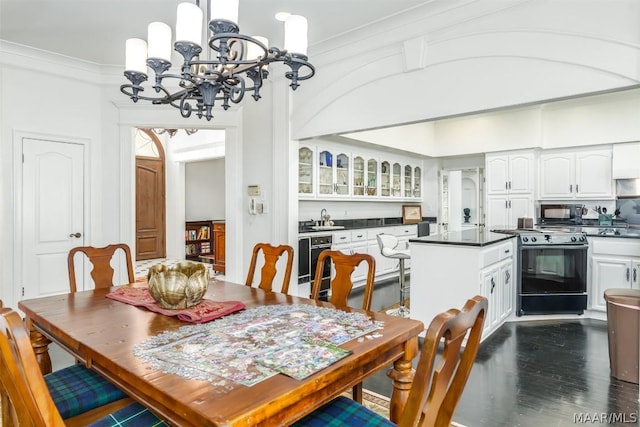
(132,415)
(77,389)
(343,411)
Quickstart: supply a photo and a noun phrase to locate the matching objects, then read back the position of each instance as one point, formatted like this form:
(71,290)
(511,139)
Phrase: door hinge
(23,291)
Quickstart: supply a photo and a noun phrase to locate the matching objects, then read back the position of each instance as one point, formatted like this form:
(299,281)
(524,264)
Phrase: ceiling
(96,30)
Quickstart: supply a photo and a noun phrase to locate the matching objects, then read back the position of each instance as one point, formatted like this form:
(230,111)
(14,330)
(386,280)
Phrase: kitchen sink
(327,227)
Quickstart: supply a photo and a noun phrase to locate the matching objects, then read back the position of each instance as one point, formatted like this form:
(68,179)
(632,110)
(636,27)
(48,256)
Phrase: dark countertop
(470,237)
(353,224)
(594,230)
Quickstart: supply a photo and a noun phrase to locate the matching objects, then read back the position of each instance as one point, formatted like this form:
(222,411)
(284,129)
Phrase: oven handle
(573,247)
(326,246)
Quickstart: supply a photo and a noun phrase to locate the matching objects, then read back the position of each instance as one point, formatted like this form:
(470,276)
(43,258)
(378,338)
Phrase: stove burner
(556,236)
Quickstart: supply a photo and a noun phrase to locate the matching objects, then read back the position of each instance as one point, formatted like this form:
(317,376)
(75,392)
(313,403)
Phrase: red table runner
(204,311)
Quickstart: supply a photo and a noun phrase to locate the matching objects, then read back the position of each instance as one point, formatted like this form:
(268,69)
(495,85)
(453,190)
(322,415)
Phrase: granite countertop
(470,237)
(354,224)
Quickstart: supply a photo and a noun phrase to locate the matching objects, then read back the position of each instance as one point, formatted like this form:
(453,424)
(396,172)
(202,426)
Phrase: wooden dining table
(102,333)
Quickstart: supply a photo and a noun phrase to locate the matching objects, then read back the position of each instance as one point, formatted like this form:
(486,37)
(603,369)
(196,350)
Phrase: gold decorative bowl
(180,286)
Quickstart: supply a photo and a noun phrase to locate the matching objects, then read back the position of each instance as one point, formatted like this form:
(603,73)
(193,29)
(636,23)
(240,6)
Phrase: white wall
(205,190)
(483,56)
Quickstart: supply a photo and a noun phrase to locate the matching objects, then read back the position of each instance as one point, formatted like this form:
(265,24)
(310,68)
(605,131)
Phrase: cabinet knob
(628,274)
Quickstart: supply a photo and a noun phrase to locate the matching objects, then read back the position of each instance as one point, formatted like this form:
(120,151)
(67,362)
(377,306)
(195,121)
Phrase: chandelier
(238,64)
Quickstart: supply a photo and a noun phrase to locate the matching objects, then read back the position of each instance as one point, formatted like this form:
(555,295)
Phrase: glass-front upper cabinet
(408,182)
(342,175)
(417,182)
(305,171)
(359,179)
(385,179)
(325,173)
(333,174)
(372,177)
(396,179)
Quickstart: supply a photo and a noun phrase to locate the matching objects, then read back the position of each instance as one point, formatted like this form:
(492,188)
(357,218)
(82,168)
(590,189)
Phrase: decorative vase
(180,286)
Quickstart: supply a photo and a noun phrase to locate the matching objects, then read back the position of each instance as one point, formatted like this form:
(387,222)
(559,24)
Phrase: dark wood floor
(537,374)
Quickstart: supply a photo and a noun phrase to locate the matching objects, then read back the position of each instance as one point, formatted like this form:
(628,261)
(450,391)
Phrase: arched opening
(150,196)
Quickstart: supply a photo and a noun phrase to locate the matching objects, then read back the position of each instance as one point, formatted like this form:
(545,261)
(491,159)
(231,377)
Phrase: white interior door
(52,210)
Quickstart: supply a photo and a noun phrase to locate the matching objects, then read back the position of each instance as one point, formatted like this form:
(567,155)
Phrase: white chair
(389,248)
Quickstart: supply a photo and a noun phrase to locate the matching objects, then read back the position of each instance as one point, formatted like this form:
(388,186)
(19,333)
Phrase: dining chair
(341,285)
(438,382)
(73,396)
(268,272)
(100,258)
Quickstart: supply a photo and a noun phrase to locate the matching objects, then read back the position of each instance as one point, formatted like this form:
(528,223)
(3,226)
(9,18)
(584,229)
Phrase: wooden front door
(150,198)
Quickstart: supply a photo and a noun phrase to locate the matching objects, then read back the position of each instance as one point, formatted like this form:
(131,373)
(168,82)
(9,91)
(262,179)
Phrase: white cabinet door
(557,175)
(635,273)
(508,289)
(577,174)
(498,212)
(593,174)
(504,211)
(508,173)
(606,273)
(360,273)
(491,289)
(306,175)
(497,170)
(521,175)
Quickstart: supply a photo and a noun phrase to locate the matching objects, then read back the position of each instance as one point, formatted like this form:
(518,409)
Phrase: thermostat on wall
(253,190)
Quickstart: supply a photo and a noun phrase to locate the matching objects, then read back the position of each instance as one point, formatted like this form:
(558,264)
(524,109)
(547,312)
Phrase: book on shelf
(191,249)
(205,248)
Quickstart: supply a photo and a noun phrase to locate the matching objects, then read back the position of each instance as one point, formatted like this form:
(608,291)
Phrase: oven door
(553,269)
(553,279)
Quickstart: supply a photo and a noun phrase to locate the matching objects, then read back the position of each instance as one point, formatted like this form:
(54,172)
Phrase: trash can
(623,319)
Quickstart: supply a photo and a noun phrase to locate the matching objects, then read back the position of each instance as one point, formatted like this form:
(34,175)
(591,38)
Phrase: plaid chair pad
(134,415)
(76,390)
(343,411)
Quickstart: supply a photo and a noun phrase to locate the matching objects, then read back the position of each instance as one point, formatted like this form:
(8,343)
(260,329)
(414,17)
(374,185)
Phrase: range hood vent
(628,188)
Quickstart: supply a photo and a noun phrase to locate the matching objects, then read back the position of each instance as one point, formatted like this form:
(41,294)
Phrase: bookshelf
(198,239)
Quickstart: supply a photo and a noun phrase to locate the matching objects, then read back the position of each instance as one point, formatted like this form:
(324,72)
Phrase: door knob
(76,235)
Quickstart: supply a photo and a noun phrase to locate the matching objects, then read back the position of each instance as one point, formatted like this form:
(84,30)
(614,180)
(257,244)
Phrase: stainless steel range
(552,271)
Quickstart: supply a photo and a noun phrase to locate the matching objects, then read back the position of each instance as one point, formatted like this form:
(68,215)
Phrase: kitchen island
(451,267)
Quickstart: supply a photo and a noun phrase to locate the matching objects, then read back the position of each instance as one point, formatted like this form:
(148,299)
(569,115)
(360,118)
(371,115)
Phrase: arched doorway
(150,196)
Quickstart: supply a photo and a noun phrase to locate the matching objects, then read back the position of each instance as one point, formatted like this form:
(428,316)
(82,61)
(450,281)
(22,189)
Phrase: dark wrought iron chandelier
(240,62)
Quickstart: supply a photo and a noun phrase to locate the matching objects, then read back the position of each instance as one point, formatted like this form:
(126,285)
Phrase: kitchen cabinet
(510,187)
(441,282)
(576,174)
(510,172)
(614,263)
(624,162)
(331,172)
(390,180)
(503,211)
(363,240)
(306,159)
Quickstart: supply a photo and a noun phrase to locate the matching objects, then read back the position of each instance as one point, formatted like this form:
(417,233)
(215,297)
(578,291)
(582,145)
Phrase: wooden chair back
(440,379)
(100,258)
(341,284)
(26,398)
(268,272)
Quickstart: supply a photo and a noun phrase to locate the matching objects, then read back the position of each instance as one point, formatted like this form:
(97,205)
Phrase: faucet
(323,213)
